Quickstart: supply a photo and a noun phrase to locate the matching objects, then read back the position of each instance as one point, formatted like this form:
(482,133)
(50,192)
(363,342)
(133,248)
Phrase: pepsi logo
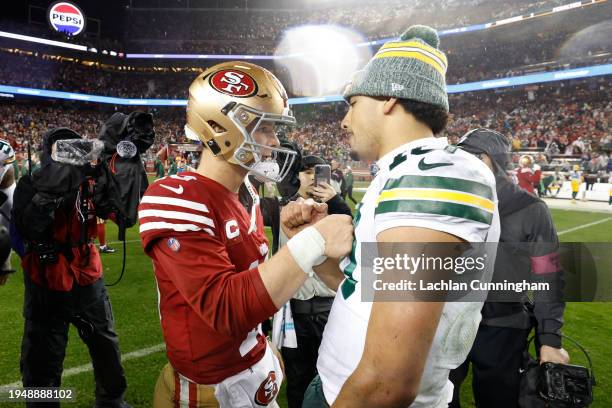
(233,82)
(66,18)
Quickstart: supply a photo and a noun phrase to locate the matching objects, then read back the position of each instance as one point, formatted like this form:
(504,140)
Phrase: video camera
(106,171)
(565,385)
(124,179)
(556,385)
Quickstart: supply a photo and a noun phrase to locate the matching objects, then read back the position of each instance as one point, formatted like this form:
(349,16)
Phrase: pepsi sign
(66,18)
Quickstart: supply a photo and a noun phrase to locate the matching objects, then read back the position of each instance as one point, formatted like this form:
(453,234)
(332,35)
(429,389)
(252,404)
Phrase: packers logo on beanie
(411,68)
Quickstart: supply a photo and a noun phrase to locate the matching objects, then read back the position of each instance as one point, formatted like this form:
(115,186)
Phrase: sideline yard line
(590,224)
(129,241)
(88,367)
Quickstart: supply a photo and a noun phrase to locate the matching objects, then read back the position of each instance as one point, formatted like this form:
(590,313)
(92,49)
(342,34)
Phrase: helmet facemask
(266,163)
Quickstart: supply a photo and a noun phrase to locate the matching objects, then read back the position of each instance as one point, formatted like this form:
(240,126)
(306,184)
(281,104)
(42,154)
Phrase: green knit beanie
(410,68)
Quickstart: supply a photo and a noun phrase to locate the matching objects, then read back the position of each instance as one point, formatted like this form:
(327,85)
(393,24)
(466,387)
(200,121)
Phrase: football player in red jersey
(215,282)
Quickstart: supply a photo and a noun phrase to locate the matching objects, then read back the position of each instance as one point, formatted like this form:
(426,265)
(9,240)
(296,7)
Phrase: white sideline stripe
(88,367)
(129,241)
(584,226)
(174,201)
(176,215)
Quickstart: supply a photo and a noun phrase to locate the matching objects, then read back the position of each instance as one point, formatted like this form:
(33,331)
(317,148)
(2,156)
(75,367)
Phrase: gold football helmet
(526,161)
(228,104)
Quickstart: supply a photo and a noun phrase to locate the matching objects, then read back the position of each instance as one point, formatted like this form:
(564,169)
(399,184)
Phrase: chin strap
(255,197)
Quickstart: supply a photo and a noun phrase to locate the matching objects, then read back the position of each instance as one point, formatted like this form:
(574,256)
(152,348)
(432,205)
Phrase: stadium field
(134,302)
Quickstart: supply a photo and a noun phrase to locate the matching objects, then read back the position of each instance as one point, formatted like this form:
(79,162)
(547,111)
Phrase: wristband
(308,249)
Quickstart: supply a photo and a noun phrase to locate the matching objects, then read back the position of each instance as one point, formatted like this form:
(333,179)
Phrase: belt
(313,305)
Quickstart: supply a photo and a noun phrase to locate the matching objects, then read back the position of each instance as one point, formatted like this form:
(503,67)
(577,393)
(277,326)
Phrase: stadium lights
(43,41)
(319,58)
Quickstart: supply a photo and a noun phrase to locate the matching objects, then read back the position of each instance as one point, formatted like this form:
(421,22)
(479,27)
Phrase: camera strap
(122,266)
(30,154)
(574,342)
(83,203)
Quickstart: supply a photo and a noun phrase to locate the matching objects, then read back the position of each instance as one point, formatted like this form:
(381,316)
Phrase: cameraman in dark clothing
(526,224)
(54,217)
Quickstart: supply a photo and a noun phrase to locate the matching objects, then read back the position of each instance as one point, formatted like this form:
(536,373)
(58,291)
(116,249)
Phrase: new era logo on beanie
(396,87)
(410,68)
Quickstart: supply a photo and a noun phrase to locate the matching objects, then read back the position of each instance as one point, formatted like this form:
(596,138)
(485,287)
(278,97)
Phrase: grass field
(135,307)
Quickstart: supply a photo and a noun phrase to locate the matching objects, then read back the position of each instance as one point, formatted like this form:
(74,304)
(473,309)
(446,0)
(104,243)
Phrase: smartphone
(322,174)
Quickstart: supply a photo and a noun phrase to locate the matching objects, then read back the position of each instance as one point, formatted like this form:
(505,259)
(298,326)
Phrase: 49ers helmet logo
(233,82)
(267,390)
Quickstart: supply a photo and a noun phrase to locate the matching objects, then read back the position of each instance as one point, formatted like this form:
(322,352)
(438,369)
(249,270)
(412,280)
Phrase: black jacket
(527,233)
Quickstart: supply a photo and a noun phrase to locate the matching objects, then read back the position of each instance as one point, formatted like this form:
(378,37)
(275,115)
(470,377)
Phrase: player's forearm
(286,271)
(329,272)
(282,276)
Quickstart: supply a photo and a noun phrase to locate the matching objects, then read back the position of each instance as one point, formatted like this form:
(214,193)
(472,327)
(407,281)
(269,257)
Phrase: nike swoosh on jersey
(419,150)
(429,166)
(175,190)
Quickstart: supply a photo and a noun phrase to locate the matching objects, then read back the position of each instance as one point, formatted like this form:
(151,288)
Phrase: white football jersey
(425,183)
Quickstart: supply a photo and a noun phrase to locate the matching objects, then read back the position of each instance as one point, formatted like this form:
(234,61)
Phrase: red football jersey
(526,179)
(211,296)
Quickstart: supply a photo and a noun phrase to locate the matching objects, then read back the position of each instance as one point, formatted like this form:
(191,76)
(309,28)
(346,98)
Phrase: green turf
(135,306)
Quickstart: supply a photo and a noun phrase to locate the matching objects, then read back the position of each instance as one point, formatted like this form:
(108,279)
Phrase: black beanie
(488,141)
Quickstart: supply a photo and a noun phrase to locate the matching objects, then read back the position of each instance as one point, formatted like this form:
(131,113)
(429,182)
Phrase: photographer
(527,227)
(55,217)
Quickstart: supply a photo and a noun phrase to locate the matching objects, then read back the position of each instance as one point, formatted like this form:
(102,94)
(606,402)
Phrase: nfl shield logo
(173,244)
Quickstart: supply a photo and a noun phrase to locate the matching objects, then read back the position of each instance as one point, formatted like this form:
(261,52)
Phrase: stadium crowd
(155,30)
(261,29)
(536,116)
(23,122)
(473,56)
(481,56)
(47,72)
(571,119)
(480,60)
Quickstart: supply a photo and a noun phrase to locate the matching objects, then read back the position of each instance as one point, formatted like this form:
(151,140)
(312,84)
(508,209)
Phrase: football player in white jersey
(399,354)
